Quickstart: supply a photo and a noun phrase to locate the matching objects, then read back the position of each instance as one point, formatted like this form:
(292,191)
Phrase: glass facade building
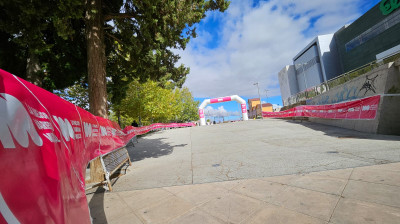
(373,33)
(373,36)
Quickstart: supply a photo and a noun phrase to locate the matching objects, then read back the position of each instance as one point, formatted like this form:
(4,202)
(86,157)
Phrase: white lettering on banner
(88,129)
(6,212)
(95,130)
(51,137)
(351,110)
(92,130)
(75,123)
(109,131)
(36,113)
(44,125)
(16,120)
(103,131)
(77,130)
(66,128)
(364,108)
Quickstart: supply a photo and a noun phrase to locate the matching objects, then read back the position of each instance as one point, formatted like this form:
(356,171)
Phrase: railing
(325,86)
(45,146)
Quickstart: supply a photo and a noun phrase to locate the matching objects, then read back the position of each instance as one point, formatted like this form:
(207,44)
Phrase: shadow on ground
(144,148)
(150,148)
(96,206)
(342,133)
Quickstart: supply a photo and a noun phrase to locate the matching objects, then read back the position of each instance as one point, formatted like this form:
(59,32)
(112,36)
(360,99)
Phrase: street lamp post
(259,96)
(266,95)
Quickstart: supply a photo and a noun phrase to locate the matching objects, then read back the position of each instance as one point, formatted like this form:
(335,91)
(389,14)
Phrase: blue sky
(253,40)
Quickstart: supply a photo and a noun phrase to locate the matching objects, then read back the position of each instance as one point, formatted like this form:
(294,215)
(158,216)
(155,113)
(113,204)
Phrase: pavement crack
(367,159)
(317,166)
(226,171)
(341,195)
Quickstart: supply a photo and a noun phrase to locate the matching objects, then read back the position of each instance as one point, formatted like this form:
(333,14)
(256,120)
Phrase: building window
(305,66)
(374,31)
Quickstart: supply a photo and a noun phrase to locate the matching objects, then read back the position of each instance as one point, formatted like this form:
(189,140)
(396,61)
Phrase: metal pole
(259,96)
(266,94)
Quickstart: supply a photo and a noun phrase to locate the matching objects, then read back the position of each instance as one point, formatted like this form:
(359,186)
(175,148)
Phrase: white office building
(318,62)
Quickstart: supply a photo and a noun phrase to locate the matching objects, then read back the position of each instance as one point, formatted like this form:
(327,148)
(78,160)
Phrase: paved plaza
(260,171)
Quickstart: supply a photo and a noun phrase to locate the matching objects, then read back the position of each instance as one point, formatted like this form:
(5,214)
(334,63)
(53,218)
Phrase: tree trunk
(118,113)
(33,69)
(96,58)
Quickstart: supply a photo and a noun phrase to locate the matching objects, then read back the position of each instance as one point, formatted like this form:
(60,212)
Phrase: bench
(112,161)
(102,167)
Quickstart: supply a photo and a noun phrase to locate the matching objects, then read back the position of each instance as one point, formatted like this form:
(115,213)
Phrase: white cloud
(255,43)
(220,112)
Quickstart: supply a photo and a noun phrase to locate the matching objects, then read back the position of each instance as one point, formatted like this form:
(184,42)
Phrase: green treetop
(121,40)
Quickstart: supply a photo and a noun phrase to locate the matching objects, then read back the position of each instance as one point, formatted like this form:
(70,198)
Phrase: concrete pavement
(270,171)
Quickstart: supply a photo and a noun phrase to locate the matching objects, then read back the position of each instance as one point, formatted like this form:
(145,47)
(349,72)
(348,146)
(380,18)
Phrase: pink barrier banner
(221,99)
(361,109)
(45,146)
(201,113)
(244,108)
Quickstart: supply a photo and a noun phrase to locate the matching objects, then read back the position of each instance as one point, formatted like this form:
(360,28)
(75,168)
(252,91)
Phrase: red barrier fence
(45,146)
(361,109)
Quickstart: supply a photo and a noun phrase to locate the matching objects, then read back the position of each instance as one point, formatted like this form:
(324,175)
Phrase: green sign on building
(388,6)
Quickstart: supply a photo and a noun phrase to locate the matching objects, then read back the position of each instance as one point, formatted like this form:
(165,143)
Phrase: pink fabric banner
(221,99)
(244,108)
(201,113)
(45,146)
(360,109)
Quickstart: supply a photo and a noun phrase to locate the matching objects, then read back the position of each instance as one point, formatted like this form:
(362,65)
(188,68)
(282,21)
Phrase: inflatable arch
(220,100)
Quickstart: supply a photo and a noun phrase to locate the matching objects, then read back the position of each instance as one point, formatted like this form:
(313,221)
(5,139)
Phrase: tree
(120,40)
(41,41)
(143,32)
(76,94)
(149,103)
(185,106)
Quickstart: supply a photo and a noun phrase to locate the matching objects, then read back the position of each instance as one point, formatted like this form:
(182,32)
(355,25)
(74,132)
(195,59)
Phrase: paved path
(232,173)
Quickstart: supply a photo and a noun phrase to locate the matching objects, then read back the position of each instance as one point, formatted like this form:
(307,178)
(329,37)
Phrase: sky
(253,40)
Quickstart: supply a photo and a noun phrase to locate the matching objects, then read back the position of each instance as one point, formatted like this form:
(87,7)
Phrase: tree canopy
(76,94)
(149,102)
(42,41)
(108,43)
